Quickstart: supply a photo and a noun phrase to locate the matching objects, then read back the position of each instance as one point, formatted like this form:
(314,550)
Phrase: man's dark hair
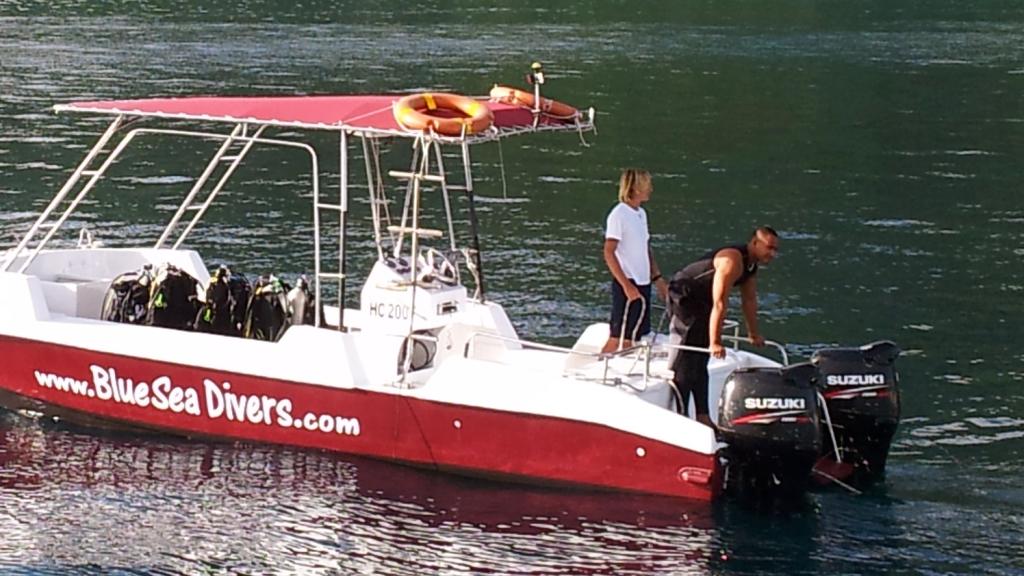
(764,230)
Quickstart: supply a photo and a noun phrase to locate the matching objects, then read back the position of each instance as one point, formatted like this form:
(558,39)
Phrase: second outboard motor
(860,387)
(770,419)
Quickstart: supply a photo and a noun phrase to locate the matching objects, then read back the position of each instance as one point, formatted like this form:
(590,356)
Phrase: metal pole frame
(343,229)
(375,208)
(72,180)
(249,141)
(474,223)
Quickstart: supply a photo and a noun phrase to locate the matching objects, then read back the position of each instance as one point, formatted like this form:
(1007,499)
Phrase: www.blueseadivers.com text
(215,401)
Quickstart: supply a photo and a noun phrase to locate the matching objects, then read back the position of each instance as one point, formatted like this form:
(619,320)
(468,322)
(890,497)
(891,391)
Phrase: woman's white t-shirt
(628,225)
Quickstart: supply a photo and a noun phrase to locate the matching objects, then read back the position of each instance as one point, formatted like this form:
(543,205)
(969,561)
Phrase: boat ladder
(428,165)
(229,155)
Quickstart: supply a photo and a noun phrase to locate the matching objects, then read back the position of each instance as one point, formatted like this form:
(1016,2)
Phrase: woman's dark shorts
(619,308)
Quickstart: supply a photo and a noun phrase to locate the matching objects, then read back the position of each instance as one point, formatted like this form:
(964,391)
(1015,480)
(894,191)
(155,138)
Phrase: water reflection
(150,504)
(103,502)
(83,500)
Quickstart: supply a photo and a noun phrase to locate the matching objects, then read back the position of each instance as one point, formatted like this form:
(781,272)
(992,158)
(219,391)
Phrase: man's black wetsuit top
(690,302)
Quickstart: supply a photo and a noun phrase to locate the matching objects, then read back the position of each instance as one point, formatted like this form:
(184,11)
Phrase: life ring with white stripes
(517,97)
(418,112)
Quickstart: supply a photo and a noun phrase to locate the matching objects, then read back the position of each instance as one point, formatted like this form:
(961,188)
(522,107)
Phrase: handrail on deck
(549,347)
(727,324)
(777,345)
(736,340)
(553,348)
(641,348)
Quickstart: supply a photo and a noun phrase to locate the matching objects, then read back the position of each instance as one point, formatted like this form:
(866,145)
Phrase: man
(699,300)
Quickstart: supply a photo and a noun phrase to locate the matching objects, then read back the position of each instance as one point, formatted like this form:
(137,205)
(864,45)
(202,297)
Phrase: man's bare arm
(748,292)
(728,267)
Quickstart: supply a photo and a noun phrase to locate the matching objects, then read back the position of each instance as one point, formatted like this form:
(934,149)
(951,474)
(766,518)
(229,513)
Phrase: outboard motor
(770,419)
(860,387)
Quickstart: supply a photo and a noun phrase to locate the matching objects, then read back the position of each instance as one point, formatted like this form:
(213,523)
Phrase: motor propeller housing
(861,391)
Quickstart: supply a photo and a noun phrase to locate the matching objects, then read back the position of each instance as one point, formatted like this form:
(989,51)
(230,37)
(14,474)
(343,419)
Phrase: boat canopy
(365,114)
(364,118)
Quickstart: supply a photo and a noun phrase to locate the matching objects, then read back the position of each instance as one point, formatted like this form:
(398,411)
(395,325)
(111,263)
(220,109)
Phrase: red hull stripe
(381,424)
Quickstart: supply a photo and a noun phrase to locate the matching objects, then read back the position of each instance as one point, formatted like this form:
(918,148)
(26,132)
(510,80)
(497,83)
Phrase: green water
(882,139)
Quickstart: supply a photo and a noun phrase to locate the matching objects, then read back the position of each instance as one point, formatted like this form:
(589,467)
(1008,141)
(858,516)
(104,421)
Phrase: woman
(627,252)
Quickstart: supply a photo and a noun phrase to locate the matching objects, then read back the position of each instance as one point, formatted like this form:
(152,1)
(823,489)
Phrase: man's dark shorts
(619,308)
(690,322)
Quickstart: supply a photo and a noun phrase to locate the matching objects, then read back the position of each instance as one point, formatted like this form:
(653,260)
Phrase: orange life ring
(523,98)
(416,112)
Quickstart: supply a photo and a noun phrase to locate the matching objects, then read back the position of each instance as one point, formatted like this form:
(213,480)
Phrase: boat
(426,369)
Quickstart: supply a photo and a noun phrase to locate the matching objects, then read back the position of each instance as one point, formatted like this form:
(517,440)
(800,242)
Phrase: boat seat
(587,345)
(89,300)
(75,298)
(60,297)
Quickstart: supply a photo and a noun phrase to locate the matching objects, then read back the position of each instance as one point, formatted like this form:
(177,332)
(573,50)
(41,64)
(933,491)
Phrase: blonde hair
(632,179)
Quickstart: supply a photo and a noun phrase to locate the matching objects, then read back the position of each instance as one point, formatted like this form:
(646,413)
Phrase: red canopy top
(359,113)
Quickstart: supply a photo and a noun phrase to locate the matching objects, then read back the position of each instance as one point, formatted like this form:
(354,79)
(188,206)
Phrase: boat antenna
(536,75)
(535,78)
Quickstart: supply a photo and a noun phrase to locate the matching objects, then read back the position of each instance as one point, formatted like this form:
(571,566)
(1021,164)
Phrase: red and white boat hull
(398,424)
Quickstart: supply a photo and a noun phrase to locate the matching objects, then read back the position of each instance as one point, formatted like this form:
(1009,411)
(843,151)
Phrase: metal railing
(777,345)
(727,324)
(643,350)
(95,175)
